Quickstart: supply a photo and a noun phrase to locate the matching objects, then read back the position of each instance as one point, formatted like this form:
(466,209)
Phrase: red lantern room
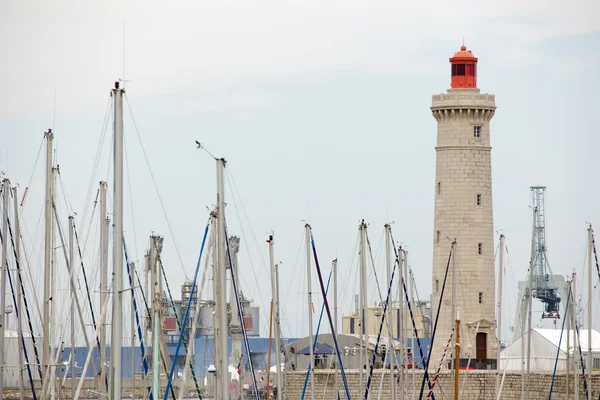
(464,69)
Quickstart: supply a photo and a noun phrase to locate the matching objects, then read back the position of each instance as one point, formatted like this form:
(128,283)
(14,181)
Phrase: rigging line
(331,325)
(241,316)
(179,325)
(64,193)
(99,148)
(87,289)
(376,277)
(73,296)
(16,257)
(131,200)
(149,318)
(162,205)
(412,318)
(385,306)
(314,344)
(23,288)
(437,372)
(89,228)
(31,176)
(230,181)
(559,343)
(137,320)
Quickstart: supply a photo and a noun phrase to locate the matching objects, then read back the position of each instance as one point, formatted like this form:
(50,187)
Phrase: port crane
(544,287)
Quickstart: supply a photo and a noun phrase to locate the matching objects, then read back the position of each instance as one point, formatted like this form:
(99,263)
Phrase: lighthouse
(464,215)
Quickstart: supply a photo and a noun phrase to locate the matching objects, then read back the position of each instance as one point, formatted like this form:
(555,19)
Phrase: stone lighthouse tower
(463,212)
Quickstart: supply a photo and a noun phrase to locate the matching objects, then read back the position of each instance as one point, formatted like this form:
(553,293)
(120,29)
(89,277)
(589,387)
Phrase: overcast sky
(322,111)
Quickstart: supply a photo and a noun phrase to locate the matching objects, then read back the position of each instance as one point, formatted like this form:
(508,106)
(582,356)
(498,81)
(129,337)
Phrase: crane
(543,287)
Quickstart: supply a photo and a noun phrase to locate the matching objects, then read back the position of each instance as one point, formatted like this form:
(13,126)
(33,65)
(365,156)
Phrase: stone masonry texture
(479,385)
(463,212)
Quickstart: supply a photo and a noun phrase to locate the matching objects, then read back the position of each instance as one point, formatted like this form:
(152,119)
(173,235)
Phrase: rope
(331,325)
(162,205)
(89,297)
(35,350)
(185,319)
(585,386)
(17,309)
(412,318)
(179,326)
(595,253)
(437,316)
(149,316)
(316,337)
(379,334)
(241,315)
(137,319)
(559,342)
(437,372)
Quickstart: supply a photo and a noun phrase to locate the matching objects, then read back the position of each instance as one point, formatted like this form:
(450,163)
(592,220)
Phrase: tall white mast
(4,270)
(71,275)
(403,322)
(235,326)
(19,294)
(576,365)
(364,333)
(391,345)
(530,303)
(568,321)
(412,336)
(155,249)
(499,316)
(276,308)
(589,312)
(47,353)
(221,295)
(311,364)
(104,222)
(117,309)
(132,322)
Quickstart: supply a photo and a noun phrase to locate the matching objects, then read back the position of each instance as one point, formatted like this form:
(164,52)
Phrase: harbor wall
(480,385)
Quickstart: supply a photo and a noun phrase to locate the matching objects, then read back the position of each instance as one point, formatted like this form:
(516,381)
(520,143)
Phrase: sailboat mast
(132,322)
(499,317)
(275,311)
(589,312)
(104,221)
(46,353)
(155,242)
(529,294)
(363,303)
(311,365)
(235,326)
(576,365)
(391,345)
(221,296)
(71,274)
(117,309)
(19,295)
(3,269)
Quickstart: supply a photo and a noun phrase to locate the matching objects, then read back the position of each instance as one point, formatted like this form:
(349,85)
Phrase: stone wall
(480,385)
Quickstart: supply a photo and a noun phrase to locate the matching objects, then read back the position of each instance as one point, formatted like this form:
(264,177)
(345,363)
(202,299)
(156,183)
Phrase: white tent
(544,349)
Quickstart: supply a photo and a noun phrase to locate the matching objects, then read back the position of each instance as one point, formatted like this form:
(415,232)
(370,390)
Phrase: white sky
(322,110)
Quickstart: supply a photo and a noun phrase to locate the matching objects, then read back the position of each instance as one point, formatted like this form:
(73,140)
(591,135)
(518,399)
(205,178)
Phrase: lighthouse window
(479,248)
(478,199)
(437,237)
(477,131)
(480,297)
(439,188)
